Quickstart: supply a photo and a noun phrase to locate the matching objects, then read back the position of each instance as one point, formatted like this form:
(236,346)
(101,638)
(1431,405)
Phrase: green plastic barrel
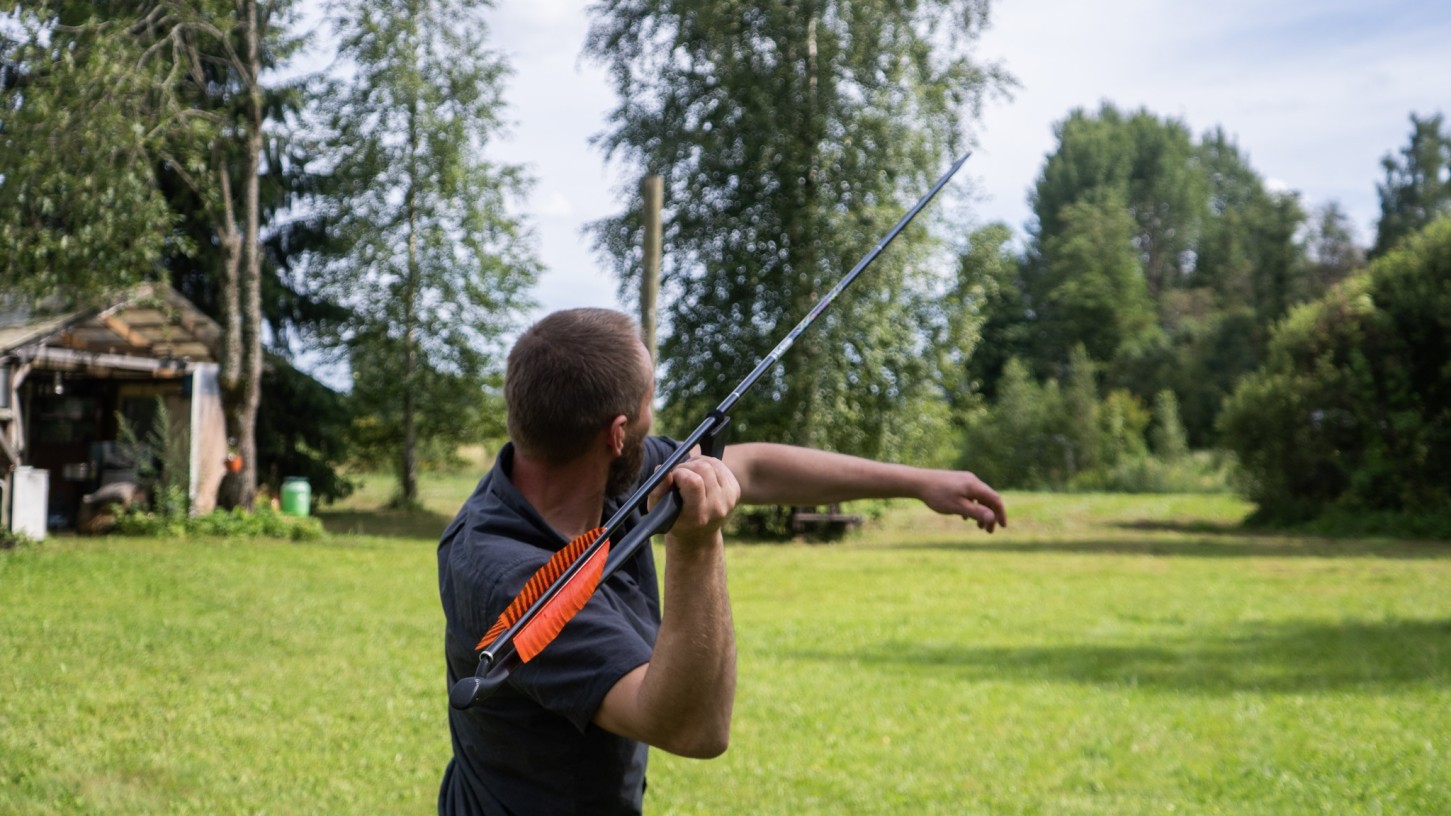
(296,496)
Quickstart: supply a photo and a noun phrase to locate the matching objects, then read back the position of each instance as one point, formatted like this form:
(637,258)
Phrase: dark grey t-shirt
(531,748)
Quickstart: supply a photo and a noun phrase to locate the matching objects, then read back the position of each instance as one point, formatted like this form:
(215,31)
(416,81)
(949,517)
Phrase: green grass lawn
(1103,655)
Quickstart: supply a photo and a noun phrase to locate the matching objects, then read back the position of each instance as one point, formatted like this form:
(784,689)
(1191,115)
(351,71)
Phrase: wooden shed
(68,377)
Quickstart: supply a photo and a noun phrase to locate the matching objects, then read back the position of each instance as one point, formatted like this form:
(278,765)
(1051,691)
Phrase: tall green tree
(1166,256)
(1331,249)
(1093,289)
(990,285)
(1249,255)
(1417,186)
(427,257)
(790,134)
(81,131)
(1082,411)
(1148,165)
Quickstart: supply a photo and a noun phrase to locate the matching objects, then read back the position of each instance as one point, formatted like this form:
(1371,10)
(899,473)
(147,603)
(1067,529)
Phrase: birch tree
(427,257)
(790,136)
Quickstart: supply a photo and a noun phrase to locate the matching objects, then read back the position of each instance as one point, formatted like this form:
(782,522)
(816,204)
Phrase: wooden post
(652,190)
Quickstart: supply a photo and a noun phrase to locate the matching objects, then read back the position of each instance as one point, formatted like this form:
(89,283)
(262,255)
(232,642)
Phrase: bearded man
(570,730)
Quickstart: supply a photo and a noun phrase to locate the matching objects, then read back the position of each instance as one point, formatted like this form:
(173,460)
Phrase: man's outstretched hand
(961,493)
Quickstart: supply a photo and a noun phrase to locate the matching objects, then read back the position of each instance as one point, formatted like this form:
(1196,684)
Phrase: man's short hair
(568,377)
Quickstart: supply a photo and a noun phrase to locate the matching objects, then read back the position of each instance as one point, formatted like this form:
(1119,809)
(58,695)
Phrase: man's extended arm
(784,474)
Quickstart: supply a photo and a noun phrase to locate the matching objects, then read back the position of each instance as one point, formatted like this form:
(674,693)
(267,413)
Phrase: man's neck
(570,497)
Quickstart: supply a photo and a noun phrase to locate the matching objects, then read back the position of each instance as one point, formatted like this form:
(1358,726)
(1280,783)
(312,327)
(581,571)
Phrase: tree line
(1162,280)
(359,212)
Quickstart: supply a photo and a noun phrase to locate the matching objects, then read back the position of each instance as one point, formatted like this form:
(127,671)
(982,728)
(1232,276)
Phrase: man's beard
(625,469)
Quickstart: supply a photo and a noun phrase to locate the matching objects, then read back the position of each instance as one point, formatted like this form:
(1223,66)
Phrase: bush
(1194,472)
(1022,440)
(9,539)
(262,522)
(1040,437)
(1431,525)
(1353,407)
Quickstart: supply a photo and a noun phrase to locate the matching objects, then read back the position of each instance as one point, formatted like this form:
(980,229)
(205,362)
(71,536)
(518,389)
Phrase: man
(569,732)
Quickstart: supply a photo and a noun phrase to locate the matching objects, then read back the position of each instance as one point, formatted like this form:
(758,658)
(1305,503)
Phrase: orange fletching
(540,581)
(571,598)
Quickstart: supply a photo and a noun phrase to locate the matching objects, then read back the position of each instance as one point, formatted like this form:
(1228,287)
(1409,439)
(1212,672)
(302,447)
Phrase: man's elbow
(706,743)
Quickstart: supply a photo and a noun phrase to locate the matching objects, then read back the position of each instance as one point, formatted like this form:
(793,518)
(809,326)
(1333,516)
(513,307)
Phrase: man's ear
(618,433)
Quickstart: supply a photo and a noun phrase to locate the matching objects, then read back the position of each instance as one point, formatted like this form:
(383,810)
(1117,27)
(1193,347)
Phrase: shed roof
(150,321)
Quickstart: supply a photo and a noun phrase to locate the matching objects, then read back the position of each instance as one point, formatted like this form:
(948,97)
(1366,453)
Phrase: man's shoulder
(491,540)
(657,449)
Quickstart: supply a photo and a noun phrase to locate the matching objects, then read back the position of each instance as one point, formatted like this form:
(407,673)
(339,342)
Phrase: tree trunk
(243,381)
(408,467)
(231,373)
(804,378)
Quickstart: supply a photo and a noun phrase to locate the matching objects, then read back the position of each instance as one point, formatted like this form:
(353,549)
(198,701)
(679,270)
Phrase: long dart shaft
(496,661)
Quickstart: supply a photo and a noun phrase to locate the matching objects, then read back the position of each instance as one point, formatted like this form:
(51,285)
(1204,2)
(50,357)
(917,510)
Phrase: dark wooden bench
(814,519)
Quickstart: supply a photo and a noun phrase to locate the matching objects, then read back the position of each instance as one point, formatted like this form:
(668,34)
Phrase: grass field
(1103,655)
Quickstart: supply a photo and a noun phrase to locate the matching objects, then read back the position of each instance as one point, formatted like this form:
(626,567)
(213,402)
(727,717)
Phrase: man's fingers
(994,503)
(708,489)
(984,516)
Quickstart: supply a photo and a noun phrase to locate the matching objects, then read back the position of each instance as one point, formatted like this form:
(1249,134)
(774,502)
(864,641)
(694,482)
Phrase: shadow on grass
(1297,657)
(1242,545)
(1188,527)
(416,523)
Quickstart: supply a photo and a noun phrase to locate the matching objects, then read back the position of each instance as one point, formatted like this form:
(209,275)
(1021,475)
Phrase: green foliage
(1249,256)
(81,212)
(1094,291)
(425,256)
(303,430)
(263,522)
(1338,521)
(1020,440)
(1168,437)
(1331,249)
(1195,472)
(163,462)
(990,280)
(9,540)
(789,139)
(1136,164)
(1351,409)
(1165,256)
(1417,186)
(1123,422)
(1043,436)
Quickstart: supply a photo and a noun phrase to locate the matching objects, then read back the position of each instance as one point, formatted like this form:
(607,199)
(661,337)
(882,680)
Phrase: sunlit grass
(1103,655)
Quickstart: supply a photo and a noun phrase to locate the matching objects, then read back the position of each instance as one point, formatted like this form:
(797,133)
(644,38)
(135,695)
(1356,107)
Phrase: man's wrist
(701,543)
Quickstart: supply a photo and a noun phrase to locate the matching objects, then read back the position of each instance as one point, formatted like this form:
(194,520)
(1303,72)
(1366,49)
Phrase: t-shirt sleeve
(598,646)
(657,450)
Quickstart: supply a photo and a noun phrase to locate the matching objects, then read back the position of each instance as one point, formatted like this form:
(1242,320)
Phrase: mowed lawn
(1103,655)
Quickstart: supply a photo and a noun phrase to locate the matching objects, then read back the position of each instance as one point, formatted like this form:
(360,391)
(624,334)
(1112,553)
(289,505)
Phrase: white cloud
(1314,93)
(553,205)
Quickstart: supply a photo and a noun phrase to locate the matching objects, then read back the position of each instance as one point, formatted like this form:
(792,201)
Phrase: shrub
(9,539)
(1038,436)
(1353,406)
(1193,472)
(162,461)
(262,522)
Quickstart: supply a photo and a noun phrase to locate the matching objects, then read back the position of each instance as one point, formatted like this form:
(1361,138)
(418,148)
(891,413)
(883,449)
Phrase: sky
(1315,92)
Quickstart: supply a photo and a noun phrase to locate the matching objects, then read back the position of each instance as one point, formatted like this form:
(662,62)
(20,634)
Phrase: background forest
(1171,321)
